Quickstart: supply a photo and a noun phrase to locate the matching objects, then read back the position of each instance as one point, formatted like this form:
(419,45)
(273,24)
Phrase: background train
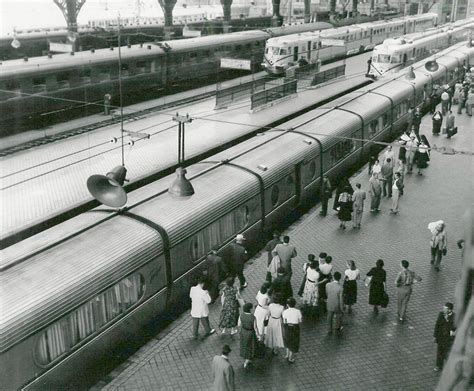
(81,292)
(397,53)
(39,91)
(308,48)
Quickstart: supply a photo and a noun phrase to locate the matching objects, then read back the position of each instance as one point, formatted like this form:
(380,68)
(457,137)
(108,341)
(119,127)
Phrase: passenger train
(308,48)
(72,295)
(397,53)
(28,87)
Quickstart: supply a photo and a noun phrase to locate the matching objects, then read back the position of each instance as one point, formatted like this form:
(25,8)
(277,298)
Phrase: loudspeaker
(431,66)
(181,186)
(107,189)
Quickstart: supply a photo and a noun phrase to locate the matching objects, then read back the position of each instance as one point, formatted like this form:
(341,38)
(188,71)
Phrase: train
(397,53)
(37,91)
(311,47)
(74,294)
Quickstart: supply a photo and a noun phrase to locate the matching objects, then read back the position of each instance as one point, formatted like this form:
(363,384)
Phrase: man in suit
(358,199)
(286,252)
(235,255)
(215,273)
(387,177)
(444,334)
(200,300)
(375,191)
(326,194)
(335,303)
(223,372)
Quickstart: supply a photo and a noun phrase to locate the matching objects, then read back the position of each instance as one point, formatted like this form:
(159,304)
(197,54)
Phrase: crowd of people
(272,323)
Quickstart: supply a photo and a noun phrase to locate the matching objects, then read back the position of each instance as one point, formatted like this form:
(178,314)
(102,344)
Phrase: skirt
(274,334)
(349,292)
(291,337)
(248,344)
(422,160)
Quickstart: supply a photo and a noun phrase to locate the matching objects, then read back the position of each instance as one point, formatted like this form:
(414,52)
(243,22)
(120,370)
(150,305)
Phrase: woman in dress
(423,155)
(349,289)
(437,120)
(230,307)
(345,207)
(291,335)
(377,284)
(274,334)
(339,189)
(261,312)
(248,338)
(310,292)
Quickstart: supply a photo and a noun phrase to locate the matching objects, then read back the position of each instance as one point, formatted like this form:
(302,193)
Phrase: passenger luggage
(451,131)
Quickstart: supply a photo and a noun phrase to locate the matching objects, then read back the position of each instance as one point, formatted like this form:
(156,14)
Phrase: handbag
(445,251)
(385,300)
(368,280)
(452,131)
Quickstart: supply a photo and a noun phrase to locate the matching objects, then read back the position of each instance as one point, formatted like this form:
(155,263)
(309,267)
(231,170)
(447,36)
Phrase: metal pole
(120,91)
(182,142)
(179,143)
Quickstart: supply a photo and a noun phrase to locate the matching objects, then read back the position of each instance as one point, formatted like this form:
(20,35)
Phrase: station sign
(236,63)
(333,42)
(60,47)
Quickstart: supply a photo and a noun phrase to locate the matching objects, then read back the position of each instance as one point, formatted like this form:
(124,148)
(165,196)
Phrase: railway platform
(44,182)
(375,352)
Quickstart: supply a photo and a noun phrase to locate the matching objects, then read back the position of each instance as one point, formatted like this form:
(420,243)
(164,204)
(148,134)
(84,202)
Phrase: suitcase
(451,131)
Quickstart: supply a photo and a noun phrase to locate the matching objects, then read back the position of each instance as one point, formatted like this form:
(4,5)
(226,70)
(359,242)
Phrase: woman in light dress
(261,312)
(310,293)
(274,334)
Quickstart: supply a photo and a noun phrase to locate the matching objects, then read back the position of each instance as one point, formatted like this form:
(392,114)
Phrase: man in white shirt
(200,300)
(389,154)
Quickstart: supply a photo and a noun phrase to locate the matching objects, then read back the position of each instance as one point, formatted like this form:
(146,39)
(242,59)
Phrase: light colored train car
(311,47)
(78,293)
(396,53)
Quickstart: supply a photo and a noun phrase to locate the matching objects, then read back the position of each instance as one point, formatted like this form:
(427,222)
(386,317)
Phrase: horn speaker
(431,66)
(108,189)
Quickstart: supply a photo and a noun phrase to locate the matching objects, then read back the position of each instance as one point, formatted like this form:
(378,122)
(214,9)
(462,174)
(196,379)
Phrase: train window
(248,46)
(283,52)
(193,54)
(373,128)
(312,169)
(257,43)
(340,150)
(315,45)
(141,65)
(12,85)
(386,120)
(275,195)
(218,232)
(39,81)
(238,47)
(67,333)
(290,181)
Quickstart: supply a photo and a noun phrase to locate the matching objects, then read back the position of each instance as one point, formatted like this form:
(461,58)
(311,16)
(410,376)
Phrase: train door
(298,183)
(295,53)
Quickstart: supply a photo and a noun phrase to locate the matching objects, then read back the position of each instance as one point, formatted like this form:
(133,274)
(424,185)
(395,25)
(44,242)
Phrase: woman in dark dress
(377,285)
(437,119)
(248,337)
(339,189)
(349,289)
(345,207)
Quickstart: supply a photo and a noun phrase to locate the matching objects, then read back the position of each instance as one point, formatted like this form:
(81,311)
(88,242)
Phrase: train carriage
(74,293)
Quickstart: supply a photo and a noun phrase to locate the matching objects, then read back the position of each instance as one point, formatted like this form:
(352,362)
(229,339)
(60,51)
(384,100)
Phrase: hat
(239,237)
(226,349)
(449,306)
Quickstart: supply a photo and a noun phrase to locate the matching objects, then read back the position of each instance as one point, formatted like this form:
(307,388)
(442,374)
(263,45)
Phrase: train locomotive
(73,294)
(35,90)
(311,47)
(397,53)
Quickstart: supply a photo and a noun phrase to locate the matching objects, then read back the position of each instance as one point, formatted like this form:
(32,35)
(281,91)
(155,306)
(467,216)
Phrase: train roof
(297,28)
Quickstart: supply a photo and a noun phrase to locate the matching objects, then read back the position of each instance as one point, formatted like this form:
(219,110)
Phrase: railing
(281,90)
(328,74)
(241,91)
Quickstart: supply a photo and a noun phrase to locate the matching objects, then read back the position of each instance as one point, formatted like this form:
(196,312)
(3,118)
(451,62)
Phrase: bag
(265,322)
(368,280)
(452,131)
(445,251)
(260,349)
(385,300)
(274,265)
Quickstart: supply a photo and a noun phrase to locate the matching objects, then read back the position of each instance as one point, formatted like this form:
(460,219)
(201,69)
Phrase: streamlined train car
(32,91)
(78,293)
(396,53)
(311,47)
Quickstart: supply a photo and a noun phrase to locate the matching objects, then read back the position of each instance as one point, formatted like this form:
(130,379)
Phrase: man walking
(223,372)
(388,154)
(404,282)
(444,335)
(200,300)
(358,199)
(215,273)
(335,303)
(236,255)
(286,252)
(397,190)
(326,194)
(387,177)
(375,191)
